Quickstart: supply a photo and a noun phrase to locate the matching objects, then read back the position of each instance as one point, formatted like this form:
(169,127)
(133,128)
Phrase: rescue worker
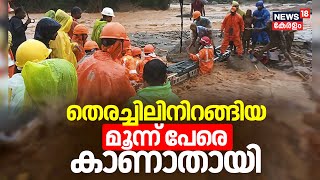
(248,24)
(46,30)
(50,14)
(232,27)
(127,53)
(80,36)
(205,57)
(149,54)
(261,16)
(61,46)
(239,11)
(90,47)
(101,80)
(50,83)
(197,5)
(18,29)
(76,14)
(131,62)
(156,86)
(197,33)
(277,39)
(107,15)
(30,50)
(201,21)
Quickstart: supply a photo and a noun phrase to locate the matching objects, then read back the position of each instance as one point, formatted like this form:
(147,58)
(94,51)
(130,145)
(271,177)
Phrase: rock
(235,63)
(309,55)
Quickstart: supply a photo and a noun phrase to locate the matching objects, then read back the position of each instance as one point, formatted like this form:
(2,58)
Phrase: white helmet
(107,12)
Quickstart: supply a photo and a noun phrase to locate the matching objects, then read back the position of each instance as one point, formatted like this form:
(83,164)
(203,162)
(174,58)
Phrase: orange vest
(205,58)
(131,64)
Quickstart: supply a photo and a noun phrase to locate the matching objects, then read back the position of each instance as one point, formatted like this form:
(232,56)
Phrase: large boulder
(245,64)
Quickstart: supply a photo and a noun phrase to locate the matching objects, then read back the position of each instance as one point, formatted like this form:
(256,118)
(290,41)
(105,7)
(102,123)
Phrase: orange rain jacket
(236,23)
(140,66)
(102,81)
(79,52)
(205,58)
(131,65)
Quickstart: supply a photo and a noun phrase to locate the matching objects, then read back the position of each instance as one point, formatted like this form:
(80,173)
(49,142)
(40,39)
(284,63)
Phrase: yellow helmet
(31,50)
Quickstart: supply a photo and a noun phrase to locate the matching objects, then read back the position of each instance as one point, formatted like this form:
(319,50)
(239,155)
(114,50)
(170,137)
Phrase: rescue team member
(197,33)
(149,54)
(277,39)
(127,53)
(49,82)
(232,27)
(131,62)
(201,21)
(205,56)
(46,30)
(90,47)
(239,11)
(80,36)
(248,24)
(107,15)
(61,46)
(156,86)
(50,14)
(197,5)
(31,50)
(261,16)
(76,14)
(18,29)
(101,80)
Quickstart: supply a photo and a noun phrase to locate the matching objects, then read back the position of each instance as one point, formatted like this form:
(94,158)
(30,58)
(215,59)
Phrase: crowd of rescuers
(241,31)
(107,69)
(61,65)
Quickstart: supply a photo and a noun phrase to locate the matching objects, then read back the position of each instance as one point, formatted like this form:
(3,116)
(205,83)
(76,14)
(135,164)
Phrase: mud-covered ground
(284,136)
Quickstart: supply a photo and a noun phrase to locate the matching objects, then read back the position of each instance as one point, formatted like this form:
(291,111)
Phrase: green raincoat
(152,94)
(49,82)
(50,14)
(96,32)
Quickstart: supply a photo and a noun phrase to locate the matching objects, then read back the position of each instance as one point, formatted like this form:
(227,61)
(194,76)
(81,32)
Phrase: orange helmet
(136,51)
(196,14)
(80,29)
(114,30)
(148,49)
(89,45)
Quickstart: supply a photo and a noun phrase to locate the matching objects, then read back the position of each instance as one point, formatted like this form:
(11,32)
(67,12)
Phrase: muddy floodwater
(286,95)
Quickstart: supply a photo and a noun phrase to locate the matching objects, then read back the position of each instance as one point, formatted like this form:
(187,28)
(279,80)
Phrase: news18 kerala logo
(289,21)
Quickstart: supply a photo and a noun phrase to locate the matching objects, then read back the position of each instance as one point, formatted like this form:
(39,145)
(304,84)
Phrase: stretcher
(184,70)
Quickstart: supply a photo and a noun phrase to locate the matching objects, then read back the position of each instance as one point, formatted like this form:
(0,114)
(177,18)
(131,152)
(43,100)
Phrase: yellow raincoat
(62,46)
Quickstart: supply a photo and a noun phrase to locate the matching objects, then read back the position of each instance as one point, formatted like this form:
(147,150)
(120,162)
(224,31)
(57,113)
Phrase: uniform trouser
(236,41)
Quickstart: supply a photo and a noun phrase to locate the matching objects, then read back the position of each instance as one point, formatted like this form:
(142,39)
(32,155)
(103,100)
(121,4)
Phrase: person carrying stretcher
(205,56)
